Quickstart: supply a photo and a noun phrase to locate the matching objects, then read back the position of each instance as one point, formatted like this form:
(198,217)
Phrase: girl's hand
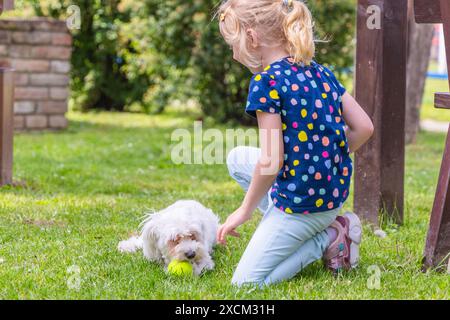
(234,220)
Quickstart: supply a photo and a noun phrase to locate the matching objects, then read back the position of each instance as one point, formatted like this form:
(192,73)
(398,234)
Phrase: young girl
(308,126)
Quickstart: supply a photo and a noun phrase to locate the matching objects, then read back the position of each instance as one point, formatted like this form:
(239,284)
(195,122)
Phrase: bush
(189,39)
(149,51)
(100,79)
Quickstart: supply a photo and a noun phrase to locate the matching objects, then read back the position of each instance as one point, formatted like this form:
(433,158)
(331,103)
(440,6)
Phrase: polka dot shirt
(317,167)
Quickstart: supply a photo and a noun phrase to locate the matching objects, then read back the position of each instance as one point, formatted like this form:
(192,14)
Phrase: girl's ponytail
(286,23)
(298,29)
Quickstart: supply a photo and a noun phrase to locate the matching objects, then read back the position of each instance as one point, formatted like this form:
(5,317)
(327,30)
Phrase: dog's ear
(150,238)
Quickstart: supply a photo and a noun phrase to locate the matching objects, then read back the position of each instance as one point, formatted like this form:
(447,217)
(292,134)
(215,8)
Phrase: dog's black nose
(190,254)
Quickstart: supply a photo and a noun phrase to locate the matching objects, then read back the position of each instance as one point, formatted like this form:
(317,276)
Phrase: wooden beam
(6,124)
(445,14)
(437,248)
(442,100)
(381,89)
(427,11)
(6,113)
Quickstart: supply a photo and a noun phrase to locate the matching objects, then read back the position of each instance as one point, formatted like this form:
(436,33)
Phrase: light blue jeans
(283,244)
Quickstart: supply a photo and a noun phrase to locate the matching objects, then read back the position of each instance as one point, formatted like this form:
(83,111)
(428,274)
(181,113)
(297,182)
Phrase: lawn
(82,190)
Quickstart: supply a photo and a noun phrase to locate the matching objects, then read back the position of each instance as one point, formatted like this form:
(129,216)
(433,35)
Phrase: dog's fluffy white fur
(185,231)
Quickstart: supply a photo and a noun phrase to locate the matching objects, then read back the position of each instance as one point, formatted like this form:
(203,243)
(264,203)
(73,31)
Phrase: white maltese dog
(184,231)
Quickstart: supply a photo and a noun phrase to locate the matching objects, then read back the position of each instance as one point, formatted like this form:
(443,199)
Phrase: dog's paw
(210,265)
(130,246)
(203,266)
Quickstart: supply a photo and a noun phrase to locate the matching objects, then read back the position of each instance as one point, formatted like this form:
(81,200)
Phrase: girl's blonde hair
(277,22)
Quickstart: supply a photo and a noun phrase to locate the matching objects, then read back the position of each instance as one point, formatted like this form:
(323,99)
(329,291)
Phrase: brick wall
(39,50)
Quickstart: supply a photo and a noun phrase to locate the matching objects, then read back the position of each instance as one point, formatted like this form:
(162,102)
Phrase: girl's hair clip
(288,3)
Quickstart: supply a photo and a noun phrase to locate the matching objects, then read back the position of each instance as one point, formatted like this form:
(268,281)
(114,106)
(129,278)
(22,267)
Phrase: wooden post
(437,247)
(6,5)
(6,114)
(6,124)
(427,11)
(381,89)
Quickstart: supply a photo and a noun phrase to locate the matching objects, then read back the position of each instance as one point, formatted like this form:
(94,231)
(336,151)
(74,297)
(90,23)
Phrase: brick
(47,24)
(49,79)
(19,122)
(35,37)
(3,50)
(14,24)
(5,37)
(59,93)
(31,93)
(52,107)
(47,52)
(19,37)
(36,121)
(34,23)
(31,65)
(38,37)
(58,121)
(23,107)
(62,39)
(19,51)
(5,62)
(20,79)
(60,66)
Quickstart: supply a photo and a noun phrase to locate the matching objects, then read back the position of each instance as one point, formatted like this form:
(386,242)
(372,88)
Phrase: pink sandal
(338,251)
(354,235)
(343,253)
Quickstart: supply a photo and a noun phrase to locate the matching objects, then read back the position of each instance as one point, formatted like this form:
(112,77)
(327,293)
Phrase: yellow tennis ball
(180,268)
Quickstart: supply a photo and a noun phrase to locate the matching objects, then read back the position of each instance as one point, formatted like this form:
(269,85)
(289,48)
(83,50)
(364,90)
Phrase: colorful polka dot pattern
(317,168)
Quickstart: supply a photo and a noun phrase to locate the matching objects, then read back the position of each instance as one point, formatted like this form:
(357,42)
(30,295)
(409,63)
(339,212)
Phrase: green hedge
(146,52)
(223,84)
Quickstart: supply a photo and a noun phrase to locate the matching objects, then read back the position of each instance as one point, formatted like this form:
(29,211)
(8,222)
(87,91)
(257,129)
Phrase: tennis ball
(180,268)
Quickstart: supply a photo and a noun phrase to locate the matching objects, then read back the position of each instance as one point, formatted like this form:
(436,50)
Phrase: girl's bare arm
(360,127)
(266,171)
(271,161)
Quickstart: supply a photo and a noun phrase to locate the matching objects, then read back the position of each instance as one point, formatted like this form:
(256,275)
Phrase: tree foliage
(147,52)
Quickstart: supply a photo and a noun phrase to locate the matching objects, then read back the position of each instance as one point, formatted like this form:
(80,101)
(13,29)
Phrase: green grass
(84,189)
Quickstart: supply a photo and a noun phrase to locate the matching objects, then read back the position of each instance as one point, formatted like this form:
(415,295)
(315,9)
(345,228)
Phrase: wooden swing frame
(381,60)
